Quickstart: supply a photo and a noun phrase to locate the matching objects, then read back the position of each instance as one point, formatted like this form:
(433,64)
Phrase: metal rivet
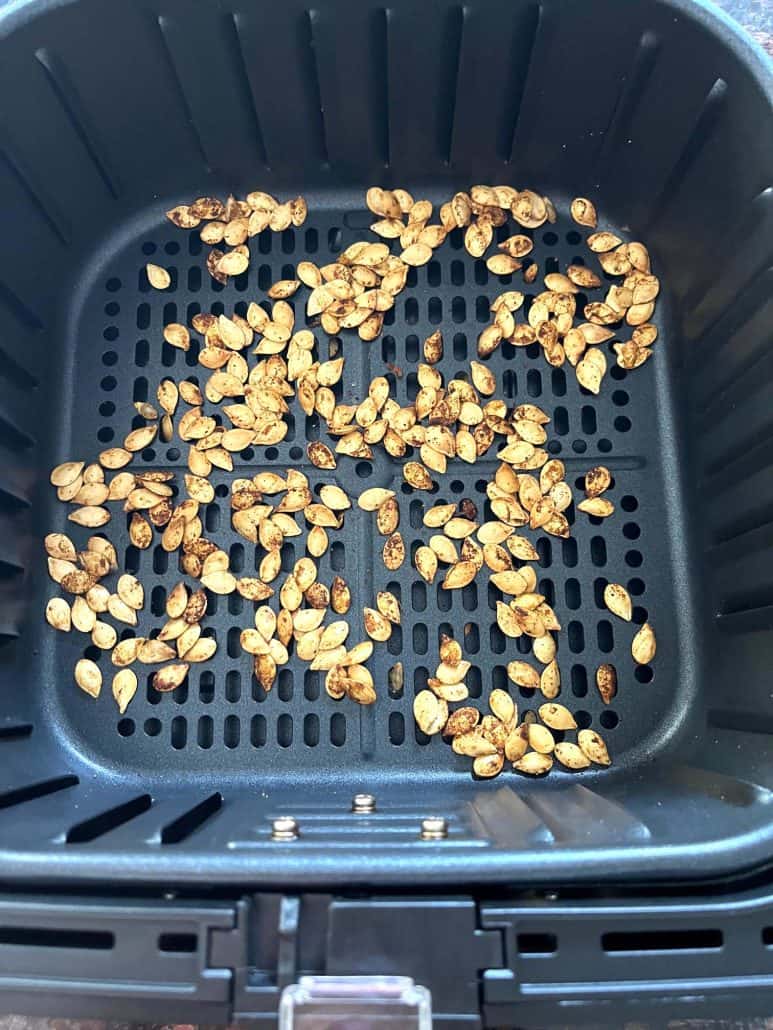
(363,804)
(284,828)
(434,828)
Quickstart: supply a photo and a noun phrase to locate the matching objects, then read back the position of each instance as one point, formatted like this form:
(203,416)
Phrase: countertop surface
(756,16)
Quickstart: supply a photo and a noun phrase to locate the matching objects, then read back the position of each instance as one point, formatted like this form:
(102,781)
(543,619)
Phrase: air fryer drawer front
(489,962)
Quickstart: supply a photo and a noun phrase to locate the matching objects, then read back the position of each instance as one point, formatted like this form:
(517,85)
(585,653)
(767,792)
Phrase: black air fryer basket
(114,111)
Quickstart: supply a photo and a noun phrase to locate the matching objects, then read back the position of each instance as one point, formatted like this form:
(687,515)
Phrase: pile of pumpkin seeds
(447,421)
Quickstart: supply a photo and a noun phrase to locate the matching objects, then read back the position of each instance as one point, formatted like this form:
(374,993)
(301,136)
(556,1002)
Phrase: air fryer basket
(111,113)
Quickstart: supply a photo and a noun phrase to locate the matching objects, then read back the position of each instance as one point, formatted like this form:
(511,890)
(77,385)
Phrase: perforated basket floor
(221,722)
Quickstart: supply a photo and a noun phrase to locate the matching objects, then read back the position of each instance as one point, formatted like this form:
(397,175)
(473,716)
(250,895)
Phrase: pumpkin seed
(170,677)
(593,747)
(502,705)
(426,563)
(557,717)
(88,677)
(644,645)
(486,766)
(598,506)
(158,277)
(523,674)
(550,680)
(394,551)
(131,592)
(534,763)
(618,601)
(376,626)
(430,712)
(597,480)
(389,606)
(124,688)
(584,212)
(606,681)
(570,755)
(541,739)
(58,614)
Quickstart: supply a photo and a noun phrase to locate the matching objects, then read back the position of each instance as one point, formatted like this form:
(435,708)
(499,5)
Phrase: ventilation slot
(44,937)
(182,827)
(537,943)
(19,732)
(662,940)
(83,833)
(178,943)
(36,790)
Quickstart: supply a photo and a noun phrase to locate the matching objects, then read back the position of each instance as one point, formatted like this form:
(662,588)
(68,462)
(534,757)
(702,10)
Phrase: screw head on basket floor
(285,828)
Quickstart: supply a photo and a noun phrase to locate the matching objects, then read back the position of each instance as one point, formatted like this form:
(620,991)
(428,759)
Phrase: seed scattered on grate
(158,277)
(458,419)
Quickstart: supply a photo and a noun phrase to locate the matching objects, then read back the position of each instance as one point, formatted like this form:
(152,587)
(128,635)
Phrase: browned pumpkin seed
(170,677)
(388,518)
(584,212)
(597,480)
(389,606)
(376,626)
(394,551)
(606,682)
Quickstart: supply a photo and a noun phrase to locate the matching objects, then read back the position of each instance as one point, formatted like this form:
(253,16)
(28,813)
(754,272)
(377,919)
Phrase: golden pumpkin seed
(417,476)
(593,747)
(541,739)
(124,688)
(376,626)
(502,705)
(88,677)
(158,277)
(523,674)
(570,755)
(644,645)
(58,614)
(618,601)
(131,592)
(83,618)
(459,575)
(557,717)
(373,498)
(177,335)
(430,712)
(600,507)
(486,766)
(91,516)
(534,763)
(550,680)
